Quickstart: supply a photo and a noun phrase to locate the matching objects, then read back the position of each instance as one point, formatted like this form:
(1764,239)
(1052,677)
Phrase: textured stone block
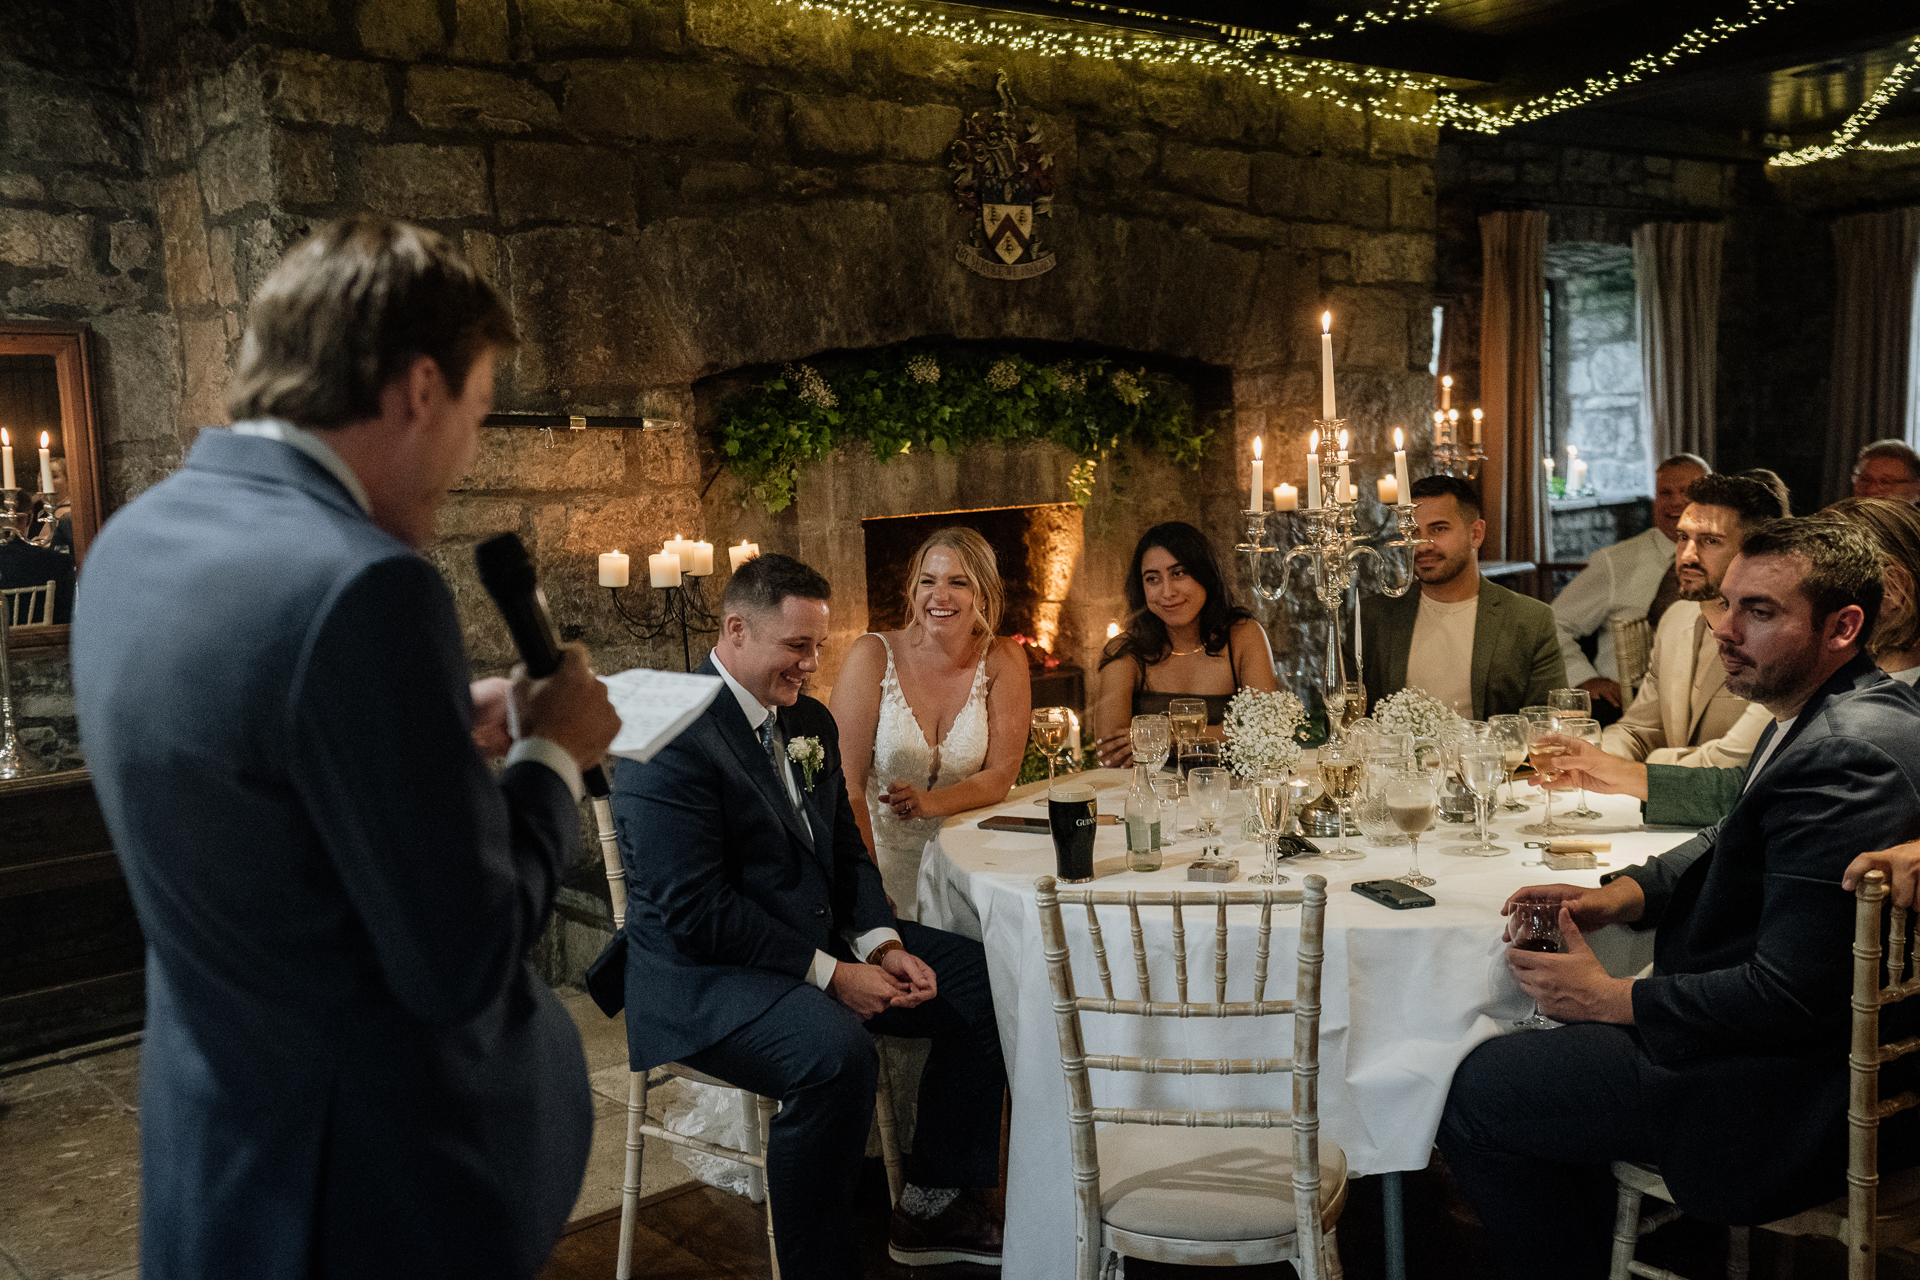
(902,177)
(130,245)
(556,25)
(454,98)
(309,18)
(47,120)
(183,237)
(30,238)
(404,29)
(518,458)
(204,375)
(857,127)
(1393,259)
(480,30)
(472,516)
(1699,183)
(1117,160)
(410,180)
(721,180)
(226,291)
(236,170)
(303,167)
(666,458)
(781,35)
(592,316)
(21,186)
(81,189)
(1580,165)
(1211,173)
(648,102)
(1370,328)
(541,180)
(1410,198)
(312,88)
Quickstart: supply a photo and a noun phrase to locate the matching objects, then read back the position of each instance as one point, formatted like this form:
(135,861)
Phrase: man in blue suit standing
(758,929)
(349,1069)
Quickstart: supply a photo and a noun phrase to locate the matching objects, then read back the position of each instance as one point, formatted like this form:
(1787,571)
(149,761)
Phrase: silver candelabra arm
(1406,542)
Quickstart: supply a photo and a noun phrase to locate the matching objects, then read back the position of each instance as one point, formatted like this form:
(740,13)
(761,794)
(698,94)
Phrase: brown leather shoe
(965,1231)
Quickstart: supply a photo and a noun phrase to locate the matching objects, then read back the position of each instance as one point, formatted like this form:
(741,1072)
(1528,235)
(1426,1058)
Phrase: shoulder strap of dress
(888,646)
(1231,668)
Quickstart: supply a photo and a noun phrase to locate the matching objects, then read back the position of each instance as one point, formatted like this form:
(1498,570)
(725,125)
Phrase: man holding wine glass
(1727,1066)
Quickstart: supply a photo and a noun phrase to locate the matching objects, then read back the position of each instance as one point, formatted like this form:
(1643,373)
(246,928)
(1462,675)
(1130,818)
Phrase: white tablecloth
(1405,994)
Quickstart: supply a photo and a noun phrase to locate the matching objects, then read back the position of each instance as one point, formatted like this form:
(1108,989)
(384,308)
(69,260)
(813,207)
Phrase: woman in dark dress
(1185,639)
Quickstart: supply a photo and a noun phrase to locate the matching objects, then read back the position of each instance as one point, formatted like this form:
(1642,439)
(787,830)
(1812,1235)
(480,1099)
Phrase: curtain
(1676,272)
(1874,256)
(1513,249)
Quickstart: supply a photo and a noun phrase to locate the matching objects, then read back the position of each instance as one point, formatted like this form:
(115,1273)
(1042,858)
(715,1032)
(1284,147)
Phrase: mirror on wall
(47,412)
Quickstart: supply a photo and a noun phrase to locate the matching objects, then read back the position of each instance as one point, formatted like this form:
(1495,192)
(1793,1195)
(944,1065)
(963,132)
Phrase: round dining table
(1406,994)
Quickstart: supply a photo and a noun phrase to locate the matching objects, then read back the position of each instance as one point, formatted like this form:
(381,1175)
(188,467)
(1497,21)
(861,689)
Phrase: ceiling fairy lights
(1270,57)
(1845,137)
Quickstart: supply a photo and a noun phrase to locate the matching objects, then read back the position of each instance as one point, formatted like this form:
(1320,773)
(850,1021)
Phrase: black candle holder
(684,606)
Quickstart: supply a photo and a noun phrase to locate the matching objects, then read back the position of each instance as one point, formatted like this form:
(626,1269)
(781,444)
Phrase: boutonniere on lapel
(809,755)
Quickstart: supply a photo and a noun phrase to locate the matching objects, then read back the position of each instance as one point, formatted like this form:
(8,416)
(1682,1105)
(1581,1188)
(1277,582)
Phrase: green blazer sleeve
(1682,796)
(1516,652)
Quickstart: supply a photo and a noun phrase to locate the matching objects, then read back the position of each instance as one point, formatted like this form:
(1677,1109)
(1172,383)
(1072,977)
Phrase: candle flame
(3,436)
(1399,441)
(1438,417)
(1256,448)
(1479,414)
(45,440)
(1343,439)
(1572,453)
(1453,415)
(1326,322)
(1446,380)
(1313,441)
(1113,629)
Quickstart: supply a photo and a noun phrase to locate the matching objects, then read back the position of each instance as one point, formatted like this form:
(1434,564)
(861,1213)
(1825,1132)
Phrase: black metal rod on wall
(576,422)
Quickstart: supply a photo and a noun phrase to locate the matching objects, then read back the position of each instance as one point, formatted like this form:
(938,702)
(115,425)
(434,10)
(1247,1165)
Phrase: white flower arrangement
(1413,710)
(811,387)
(809,755)
(1260,731)
(923,368)
(1003,375)
(1127,386)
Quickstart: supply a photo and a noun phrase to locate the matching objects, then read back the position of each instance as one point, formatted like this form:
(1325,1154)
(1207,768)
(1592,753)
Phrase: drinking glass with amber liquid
(1340,768)
(1545,745)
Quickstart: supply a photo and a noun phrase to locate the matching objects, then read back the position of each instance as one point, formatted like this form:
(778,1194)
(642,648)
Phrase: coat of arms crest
(1003,179)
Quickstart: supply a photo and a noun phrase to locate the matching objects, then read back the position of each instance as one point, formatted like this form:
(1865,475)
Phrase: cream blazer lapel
(1709,676)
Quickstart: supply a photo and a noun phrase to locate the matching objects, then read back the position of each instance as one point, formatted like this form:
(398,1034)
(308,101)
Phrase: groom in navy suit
(760,949)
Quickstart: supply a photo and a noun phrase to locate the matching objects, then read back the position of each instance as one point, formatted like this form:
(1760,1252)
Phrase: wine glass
(1166,789)
(1412,799)
(1482,766)
(1048,728)
(1587,729)
(1536,927)
(1269,800)
(1188,719)
(1545,746)
(1350,700)
(1340,767)
(1209,787)
(1152,738)
(1511,733)
(1197,754)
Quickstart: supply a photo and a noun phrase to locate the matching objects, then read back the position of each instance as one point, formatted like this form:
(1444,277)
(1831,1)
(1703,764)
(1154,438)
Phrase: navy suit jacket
(728,894)
(349,1069)
(1745,1019)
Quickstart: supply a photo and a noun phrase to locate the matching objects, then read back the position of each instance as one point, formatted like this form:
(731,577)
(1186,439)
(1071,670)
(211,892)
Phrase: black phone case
(1391,893)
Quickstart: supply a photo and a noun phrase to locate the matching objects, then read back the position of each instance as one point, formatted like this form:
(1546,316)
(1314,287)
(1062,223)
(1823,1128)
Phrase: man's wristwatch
(891,944)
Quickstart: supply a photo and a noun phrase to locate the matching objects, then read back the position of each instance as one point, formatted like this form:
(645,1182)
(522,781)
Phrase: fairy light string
(1845,138)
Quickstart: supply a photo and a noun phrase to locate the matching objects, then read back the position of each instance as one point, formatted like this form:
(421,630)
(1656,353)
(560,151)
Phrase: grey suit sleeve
(450,873)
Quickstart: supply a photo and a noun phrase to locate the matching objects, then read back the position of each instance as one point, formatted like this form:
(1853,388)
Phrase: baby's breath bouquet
(1413,710)
(1260,729)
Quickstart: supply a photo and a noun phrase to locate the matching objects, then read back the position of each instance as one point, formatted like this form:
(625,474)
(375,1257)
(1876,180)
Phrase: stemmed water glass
(1545,746)
(1570,705)
(1482,765)
(1412,800)
(1535,926)
(1048,728)
(1209,787)
(1587,729)
(1340,767)
(1152,738)
(1511,733)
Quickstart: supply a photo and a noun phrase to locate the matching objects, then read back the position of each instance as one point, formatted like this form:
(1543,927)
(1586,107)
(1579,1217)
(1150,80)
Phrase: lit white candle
(1400,464)
(1342,490)
(6,460)
(1286,498)
(1478,415)
(1259,478)
(702,559)
(1389,490)
(1453,425)
(1439,427)
(613,569)
(1577,476)
(1446,392)
(737,556)
(1549,470)
(1113,630)
(46,464)
(1353,493)
(1326,365)
(663,570)
(1313,471)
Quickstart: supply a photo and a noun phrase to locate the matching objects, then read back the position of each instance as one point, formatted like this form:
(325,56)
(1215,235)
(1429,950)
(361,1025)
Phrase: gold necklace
(1184,653)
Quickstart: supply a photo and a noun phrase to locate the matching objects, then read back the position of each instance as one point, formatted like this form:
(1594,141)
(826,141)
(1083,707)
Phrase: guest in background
(933,717)
(1896,527)
(1185,638)
(1630,579)
(1684,713)
(1887,469)
(1478,647)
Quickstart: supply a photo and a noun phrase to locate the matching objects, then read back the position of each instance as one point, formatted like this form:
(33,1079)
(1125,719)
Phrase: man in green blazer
(1480,648)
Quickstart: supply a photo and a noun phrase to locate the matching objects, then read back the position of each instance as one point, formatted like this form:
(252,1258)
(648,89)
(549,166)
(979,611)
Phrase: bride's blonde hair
(982,568)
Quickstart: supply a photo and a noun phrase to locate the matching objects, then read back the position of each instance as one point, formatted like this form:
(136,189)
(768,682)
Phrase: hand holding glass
(1535,926)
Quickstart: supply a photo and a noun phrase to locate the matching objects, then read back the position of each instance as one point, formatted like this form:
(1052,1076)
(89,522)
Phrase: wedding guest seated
(1185,638)
(1476,646)
(1747,1004)
(758,941)
(1684,714)
(1887,469)
(1630,579)
(933,717)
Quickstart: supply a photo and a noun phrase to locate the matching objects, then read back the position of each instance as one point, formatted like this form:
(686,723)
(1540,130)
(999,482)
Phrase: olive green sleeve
(1681,796)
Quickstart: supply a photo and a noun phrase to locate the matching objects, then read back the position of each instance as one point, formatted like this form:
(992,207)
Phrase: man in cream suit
(1630,579)
(1478,647)
(1685,714)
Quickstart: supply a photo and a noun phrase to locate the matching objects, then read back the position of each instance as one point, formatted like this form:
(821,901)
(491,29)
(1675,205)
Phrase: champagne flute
(1586,729)
(1269,799)
(1482,766)
(1340,769)
(1545,746)
(1413,803)
(1536,927)
(1209,787)
(1048,728)
(1511,733)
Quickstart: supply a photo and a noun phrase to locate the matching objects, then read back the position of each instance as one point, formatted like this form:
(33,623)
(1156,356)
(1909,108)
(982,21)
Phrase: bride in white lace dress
(933,718)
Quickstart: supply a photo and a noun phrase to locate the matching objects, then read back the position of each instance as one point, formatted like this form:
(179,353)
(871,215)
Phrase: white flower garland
(1413,710)
(1260,729)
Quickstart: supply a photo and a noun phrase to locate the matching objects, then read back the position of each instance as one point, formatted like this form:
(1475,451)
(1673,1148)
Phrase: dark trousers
(1532,1121)
(817,1058)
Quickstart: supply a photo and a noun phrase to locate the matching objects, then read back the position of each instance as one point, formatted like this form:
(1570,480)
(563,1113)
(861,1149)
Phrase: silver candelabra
(1334,549)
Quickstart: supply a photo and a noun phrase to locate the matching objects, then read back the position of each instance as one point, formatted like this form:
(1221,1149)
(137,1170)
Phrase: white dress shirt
(539,750)
(820,972)
(1619,581)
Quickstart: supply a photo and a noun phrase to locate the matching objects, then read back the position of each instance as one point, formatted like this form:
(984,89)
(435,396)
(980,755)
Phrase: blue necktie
(770,739)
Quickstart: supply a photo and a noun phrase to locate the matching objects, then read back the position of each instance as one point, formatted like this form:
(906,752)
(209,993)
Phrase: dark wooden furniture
(72,958)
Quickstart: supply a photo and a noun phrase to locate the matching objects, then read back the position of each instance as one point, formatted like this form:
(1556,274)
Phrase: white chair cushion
(1206,1184)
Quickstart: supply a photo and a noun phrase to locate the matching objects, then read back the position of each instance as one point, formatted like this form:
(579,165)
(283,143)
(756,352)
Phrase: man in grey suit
(1476,646)
(349,1070)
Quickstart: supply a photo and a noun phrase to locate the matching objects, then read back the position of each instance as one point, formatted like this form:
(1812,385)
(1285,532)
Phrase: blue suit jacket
(1745,1019)
(728,895)
(349,1069)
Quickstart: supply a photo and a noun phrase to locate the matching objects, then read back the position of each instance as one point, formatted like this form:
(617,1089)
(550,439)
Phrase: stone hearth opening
(1038,551)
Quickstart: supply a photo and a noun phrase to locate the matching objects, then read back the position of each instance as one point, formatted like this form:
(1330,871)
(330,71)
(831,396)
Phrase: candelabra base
(16,761)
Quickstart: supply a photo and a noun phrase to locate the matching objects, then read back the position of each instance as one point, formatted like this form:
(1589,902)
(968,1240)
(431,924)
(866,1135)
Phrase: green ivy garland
(946,400)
